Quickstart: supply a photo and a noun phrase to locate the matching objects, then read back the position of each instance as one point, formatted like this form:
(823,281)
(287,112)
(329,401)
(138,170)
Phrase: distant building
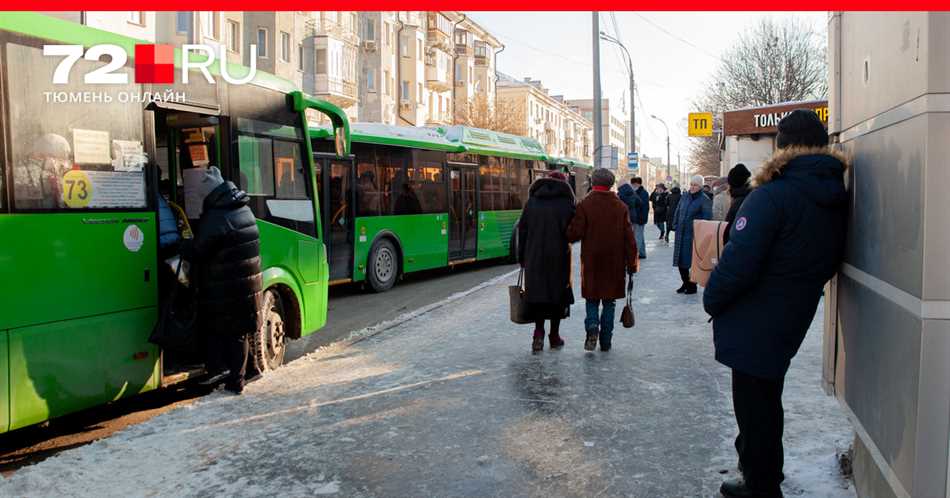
(614,150)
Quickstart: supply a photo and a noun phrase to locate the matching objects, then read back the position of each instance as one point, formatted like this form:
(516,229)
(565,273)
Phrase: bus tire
(382,268)
(270,341)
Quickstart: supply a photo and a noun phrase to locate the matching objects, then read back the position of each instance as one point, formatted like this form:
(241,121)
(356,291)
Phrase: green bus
(81,172)
(410,199)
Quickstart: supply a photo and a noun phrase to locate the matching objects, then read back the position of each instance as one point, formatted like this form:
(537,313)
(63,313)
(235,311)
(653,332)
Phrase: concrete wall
(745,150)
(891,114)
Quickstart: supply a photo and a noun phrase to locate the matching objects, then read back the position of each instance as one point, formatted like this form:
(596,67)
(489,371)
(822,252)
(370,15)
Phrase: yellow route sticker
(77,189)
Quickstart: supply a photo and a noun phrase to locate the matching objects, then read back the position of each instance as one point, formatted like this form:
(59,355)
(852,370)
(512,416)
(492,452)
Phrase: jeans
(662,226)
(760,416)
(641,244)
(603,319)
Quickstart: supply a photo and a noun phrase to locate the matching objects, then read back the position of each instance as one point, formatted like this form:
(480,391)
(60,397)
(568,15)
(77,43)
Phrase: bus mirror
(340,141)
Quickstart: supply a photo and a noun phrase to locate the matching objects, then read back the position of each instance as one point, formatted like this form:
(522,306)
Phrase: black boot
(691,288)
(737,488)
(682,289)
(591,341)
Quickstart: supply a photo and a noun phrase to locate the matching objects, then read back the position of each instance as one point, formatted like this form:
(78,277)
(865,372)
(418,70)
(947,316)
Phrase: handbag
(707,249)
(176,321)
(516,301)
(626,316)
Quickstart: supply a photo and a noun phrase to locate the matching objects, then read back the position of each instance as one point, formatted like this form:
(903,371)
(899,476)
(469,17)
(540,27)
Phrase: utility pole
(633,90)
(598,119)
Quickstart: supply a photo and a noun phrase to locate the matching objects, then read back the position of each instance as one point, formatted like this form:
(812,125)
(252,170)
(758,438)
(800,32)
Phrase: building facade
(531,111)
(613,153)
(474,74)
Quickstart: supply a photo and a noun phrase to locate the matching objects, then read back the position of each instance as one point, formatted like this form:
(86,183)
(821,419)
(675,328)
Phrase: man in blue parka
(787,241)
(638,203)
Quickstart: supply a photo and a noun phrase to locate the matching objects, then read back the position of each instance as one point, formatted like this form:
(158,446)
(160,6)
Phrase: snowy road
(452,403)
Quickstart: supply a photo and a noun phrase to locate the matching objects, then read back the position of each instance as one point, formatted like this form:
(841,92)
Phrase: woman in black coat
(545,255)
(672,202)
(659,199)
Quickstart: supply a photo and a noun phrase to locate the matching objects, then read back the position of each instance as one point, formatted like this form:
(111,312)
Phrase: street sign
(633,163)
(700,124)
(632,155)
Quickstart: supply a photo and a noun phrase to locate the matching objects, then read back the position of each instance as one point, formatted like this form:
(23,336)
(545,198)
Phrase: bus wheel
(383,265)
(270,341)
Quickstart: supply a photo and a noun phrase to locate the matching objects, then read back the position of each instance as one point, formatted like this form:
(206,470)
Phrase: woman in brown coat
(608,254)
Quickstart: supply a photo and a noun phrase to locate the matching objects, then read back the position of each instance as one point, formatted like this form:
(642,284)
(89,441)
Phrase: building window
(404,45)
(183,22)
(137,17)
(234,36)
(209,24)
(321,61)
(371,80)
(370,33)
(285,46)
(354,23)
(300,56)
(386,89)
(262,43)
(387,31)
(404,90)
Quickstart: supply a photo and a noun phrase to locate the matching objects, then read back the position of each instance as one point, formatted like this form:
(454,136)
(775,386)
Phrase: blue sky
(674,54)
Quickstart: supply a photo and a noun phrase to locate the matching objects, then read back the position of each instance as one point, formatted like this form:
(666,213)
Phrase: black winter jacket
(659,200)
(787,241)
(637,201)
(226,260)
(737,196)
(673,202)
(543,249)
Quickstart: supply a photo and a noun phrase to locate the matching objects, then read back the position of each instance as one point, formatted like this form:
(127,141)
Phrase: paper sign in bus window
(91,147)
(199,154)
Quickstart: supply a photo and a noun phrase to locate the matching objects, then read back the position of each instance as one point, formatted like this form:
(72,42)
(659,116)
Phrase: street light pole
(598,120)
(667,143)
(633,90)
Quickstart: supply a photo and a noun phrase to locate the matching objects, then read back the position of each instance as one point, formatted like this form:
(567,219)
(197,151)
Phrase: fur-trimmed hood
(816,172)
(774,166)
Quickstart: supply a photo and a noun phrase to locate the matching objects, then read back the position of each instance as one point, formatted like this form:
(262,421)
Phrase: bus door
(463,212)
(335,188)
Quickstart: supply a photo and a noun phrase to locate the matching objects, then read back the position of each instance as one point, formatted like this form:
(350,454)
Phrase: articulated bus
(410,199)
(80,178)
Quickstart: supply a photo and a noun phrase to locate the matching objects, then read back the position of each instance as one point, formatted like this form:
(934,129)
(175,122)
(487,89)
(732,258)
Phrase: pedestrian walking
(693,205)
(739,188)
(545,255)
(608,255)
(673,204)
(720,198)
(225,254)
(638,203)
(786,243)
(658,200)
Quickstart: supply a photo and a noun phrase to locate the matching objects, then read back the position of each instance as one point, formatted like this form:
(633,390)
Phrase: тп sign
(700,124)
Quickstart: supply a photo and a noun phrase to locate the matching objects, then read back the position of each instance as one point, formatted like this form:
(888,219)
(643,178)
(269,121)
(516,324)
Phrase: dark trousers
(684,275)
(228,352)
(761,420)
(662,226)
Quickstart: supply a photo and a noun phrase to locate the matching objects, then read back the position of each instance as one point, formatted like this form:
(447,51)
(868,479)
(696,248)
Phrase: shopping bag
(516,300)
(627,318)
(707,249)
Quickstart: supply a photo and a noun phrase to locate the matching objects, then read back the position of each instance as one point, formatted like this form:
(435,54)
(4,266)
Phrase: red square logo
(154,64)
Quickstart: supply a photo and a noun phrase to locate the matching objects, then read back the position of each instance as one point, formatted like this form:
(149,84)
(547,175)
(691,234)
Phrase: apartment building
(474,72)
(135,24)
(531,111)
(392,65)
(614,150)
(439,55)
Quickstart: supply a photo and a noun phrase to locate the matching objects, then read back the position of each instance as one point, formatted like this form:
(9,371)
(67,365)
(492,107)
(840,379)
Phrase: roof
(449,139)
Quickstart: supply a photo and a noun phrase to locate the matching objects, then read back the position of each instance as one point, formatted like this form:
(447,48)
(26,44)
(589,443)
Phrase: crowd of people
(784,240)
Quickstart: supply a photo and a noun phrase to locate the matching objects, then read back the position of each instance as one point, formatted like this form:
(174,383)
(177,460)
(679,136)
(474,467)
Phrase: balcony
(335,29)
(438,70)
(335,90)
(463,50)
(440,118)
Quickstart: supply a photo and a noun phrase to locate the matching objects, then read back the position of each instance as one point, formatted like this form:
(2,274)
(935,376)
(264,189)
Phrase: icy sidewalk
(451,402)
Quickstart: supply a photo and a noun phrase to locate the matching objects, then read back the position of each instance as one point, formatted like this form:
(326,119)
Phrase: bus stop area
(448,400)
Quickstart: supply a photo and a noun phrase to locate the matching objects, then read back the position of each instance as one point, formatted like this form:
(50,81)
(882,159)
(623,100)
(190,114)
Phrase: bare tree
(505,115)
(773,62)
